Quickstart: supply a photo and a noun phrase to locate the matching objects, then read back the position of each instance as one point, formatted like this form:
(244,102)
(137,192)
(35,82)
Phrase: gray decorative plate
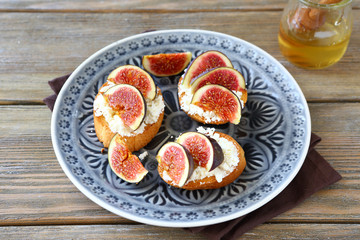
(274,132)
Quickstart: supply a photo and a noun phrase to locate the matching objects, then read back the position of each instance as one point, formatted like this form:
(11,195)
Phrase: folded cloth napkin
(56,85)
(315,174)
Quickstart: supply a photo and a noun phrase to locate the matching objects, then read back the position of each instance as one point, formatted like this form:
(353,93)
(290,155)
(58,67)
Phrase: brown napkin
(315,174)
(56,85)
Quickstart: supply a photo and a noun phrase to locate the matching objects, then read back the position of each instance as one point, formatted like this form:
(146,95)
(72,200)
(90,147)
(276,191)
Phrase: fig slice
(123,163)
(166,64)
(224,76)
(128,103)
(204,62)
(220,100)
(135,76)
(205,151)
(175,164)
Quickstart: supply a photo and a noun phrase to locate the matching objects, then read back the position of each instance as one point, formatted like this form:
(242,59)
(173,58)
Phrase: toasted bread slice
(134,142)
(210,182)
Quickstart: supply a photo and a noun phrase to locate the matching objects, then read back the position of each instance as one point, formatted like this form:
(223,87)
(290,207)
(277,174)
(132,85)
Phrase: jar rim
(340,4)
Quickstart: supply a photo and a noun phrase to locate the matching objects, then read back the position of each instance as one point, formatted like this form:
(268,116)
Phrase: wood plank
(145,232)
(33,187)
(34,190)
(33,52)
(138,5)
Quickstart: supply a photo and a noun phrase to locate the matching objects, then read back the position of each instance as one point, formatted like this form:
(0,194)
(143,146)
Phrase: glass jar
(315,34)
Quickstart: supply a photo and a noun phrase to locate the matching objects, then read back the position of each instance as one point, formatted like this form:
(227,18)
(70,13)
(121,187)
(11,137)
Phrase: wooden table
(41,40)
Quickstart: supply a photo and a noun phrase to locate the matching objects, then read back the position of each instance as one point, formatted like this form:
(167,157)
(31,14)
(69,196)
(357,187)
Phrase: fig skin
(195,69)
(117,144)
(135,76)
(188,158)
(166,64)
(126,87)
(201,100)
(216,154)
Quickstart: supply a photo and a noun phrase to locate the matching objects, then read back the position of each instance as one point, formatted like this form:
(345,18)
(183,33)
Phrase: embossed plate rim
(116,210)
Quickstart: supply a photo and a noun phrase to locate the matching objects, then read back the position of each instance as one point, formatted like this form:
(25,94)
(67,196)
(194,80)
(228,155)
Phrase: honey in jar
(315,34)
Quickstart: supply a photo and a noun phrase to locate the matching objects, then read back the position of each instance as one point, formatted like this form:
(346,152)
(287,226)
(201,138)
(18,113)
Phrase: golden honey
(314,47)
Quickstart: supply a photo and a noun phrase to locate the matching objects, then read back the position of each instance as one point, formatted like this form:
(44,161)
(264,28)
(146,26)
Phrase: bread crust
(211,182)
(199,118)
(135,142)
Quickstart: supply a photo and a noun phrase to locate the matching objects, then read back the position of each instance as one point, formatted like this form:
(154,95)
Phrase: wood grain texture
(143,232)
(35,191)
(138,5)
(36,47)
(41,40)
(33,187)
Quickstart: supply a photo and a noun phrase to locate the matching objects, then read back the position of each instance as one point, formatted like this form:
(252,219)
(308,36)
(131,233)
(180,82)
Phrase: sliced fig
(166,64)
(123,163)
(204,62)
(220,100)
(224,76)
(128,103)
(175,164)
(205,151)
(135,76)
